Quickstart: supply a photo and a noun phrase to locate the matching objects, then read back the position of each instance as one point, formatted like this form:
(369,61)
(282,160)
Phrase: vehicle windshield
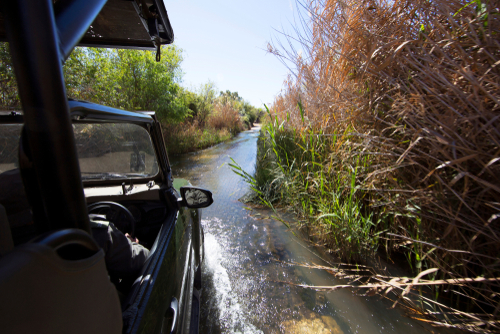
(105,151)
(9,146)
(114,151)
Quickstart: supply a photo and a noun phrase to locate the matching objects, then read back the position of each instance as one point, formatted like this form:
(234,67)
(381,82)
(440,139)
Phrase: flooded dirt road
(245,260)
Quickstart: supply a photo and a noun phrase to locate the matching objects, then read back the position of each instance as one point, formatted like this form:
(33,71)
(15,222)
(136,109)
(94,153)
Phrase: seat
(58,283)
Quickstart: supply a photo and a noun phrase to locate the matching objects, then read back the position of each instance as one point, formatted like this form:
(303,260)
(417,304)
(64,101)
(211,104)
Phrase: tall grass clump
(225,116)
(190,136)
(220,124)
(391,122)
(296,169)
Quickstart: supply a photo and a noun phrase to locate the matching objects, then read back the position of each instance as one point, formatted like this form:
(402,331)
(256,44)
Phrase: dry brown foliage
(191,136)
(418,83)
(225,116)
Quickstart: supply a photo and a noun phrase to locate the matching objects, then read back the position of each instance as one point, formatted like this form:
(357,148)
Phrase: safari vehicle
(77,158)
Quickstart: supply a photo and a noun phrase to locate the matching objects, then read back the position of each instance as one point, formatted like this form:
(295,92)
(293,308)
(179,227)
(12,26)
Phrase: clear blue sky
(225,42)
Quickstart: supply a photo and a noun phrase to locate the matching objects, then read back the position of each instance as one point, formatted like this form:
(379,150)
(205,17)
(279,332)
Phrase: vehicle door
(161,300)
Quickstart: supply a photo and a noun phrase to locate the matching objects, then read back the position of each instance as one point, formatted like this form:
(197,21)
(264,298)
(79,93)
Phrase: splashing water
(245,263)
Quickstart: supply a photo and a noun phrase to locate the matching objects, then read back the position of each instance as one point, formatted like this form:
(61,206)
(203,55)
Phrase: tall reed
(393,108)
(225,116)
(191,136)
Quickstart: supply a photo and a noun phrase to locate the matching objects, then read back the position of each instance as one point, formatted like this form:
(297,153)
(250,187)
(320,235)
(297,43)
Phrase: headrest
(44,293)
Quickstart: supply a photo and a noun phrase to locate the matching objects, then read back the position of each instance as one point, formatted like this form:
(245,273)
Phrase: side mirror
(195,198)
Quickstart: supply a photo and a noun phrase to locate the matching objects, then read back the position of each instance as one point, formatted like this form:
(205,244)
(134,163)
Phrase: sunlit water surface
(246,256)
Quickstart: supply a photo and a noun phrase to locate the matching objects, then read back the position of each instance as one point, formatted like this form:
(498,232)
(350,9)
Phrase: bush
(190,136)
(225,116)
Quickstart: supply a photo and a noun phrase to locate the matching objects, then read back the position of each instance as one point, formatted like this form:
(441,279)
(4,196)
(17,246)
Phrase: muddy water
(245,260)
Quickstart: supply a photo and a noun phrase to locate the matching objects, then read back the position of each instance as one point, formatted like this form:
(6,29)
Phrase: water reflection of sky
(246,256)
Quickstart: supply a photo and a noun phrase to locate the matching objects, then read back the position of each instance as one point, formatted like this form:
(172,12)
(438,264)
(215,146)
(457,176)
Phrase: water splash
(232,317)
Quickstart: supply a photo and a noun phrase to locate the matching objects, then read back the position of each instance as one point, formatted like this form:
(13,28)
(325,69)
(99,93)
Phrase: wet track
(244,263)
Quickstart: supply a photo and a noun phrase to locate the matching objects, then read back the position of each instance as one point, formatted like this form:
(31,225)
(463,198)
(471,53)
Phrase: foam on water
(231,313)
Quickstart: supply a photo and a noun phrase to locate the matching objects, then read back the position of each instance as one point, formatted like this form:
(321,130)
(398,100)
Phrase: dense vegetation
(133,80)
(213,118)
(387,138)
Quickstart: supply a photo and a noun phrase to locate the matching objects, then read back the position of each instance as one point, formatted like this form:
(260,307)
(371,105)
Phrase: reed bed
(387,137)
(226,116)
(191,136)
(223,123)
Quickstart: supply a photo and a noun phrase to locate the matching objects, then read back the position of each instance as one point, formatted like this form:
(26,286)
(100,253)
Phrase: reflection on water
(245,264)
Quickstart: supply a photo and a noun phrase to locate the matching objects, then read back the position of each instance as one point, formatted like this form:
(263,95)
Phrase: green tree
(128,79)
(90,75)
(206,99)
(149,85)
(228,96)
(9,97)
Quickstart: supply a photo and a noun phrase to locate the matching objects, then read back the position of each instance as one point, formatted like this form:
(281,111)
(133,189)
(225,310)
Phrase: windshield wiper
(109,176)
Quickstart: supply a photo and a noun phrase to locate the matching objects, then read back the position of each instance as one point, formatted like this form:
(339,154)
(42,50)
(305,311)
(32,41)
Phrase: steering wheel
(113,214)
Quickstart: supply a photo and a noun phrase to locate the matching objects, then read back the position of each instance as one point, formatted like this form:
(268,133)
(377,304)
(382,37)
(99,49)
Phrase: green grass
(301,172)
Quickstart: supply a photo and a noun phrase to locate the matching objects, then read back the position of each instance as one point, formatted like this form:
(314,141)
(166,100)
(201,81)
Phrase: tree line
(133,80)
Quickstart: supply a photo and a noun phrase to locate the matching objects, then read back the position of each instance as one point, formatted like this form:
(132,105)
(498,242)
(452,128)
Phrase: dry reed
(225,116)
(414,85)
(191,136)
